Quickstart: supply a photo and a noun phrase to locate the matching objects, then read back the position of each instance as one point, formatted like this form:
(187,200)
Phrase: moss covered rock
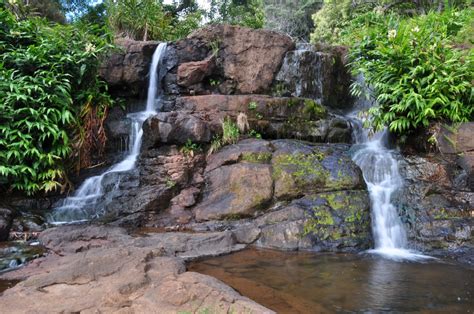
(300,168)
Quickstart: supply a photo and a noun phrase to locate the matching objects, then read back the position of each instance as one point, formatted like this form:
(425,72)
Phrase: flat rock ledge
(99,269)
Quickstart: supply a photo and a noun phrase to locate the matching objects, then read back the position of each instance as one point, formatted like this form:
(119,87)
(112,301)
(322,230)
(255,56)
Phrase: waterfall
(380,170)
(89,200)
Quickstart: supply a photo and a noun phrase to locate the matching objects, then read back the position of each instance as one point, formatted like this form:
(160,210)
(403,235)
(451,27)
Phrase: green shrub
(189,148)
(230,131)
(247,13)
(148,20)
(48,84)
(414,70)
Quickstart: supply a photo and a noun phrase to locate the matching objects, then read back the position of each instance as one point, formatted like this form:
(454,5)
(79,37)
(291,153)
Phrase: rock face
(457,142)
(126,71)
(315,72)
(273,117)
(246,60)
(6,219)
(456,139)
(191,73)
(436,204)
(285,194)
(118,273)
(174,128)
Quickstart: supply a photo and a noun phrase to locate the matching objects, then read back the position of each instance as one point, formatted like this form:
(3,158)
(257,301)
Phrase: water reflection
(312,283)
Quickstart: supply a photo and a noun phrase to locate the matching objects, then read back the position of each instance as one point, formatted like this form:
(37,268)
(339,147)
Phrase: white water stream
(88,200)
(380,170)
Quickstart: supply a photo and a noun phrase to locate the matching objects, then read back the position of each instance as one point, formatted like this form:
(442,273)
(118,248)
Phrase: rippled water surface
(319,283)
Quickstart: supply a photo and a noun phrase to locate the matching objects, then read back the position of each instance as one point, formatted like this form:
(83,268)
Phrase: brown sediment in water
(290,282)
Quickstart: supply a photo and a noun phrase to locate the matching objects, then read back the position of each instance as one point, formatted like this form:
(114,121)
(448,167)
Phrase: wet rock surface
(6,219)
(318,73)
(126,71)
(123,274)
(436,204)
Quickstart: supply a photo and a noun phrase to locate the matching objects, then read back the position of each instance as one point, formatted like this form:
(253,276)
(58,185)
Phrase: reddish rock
(126,275)
(190,73)
(247,59)
(234,191)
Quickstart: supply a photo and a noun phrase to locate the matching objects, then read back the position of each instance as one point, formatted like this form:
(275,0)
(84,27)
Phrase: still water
(326,283)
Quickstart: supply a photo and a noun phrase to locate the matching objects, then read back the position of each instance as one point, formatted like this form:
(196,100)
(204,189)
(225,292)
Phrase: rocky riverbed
(288,183)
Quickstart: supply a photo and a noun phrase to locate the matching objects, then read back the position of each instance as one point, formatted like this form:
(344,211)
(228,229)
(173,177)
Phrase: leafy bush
(230,135)
(337,20)
(48,82)
(189,148)
(148,20)
(415,72)
(294,18)
(248,13)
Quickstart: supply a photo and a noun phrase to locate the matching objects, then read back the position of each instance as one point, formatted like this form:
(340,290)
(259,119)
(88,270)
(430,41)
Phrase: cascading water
(89,200)
(380,170)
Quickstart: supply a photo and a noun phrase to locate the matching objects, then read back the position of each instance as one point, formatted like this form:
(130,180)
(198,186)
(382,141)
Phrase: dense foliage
(293,18)
(337,19)
(417,62)
(415,72)
(151,20)
(48,88)
(248,13)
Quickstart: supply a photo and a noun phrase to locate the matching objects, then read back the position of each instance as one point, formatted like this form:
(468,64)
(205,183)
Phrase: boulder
(126,71)
(174,128)
(318,73)
(247,60)
(191,73)
(287,195)
(235,191)
(332,221)
(300,169)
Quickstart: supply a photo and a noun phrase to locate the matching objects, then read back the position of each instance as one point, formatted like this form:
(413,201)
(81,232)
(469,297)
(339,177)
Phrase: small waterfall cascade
(380,170)
(89,200)
(304,72)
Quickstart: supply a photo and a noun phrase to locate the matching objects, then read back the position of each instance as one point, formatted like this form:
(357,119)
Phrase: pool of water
(14,254)
(315,283)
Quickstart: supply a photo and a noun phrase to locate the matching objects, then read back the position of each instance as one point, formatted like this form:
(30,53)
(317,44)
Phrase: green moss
(293,102)
(235,216)
(261,158)
(313,108)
